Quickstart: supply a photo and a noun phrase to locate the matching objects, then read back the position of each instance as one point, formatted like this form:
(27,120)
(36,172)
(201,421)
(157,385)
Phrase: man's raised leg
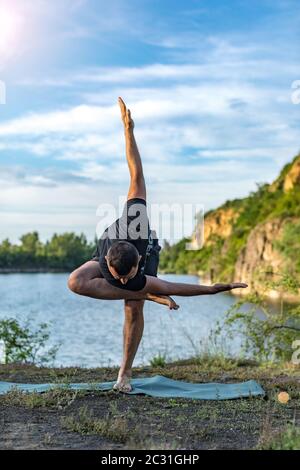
(137,187)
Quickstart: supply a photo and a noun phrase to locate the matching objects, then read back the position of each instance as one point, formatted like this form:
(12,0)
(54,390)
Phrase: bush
(266,335)
(23,345)
(288,439)
(289,246)
(158,361)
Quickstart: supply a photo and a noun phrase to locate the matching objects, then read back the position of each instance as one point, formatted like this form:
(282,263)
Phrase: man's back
(133,227)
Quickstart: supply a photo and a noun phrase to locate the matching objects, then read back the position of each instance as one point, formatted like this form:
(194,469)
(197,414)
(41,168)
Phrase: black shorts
(152,260)
(151,266)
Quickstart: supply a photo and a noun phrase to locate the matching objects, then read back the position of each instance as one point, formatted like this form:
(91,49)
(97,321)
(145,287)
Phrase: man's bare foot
(126,115)
(123,383)
(172,304)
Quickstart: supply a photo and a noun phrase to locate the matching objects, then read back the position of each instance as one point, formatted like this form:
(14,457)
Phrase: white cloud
(246,153)
(72,207)
(179,101)
(201,122)
(242,69)
(78,119)
(175,128)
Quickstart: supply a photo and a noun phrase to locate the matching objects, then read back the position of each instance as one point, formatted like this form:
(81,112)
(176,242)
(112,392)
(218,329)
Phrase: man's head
(123,261)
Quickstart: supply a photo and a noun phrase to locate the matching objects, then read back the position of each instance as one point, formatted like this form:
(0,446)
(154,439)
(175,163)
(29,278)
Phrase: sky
(208,82)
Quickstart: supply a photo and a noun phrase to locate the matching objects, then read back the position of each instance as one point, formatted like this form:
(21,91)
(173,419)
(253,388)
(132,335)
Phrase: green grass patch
(55,398)
(287,439)
(113,428)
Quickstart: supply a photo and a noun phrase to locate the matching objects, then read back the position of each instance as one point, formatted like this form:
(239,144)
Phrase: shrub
(23,345)
(266,335)
(158,361)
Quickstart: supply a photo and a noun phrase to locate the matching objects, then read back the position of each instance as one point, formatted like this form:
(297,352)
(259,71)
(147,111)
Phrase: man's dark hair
(123,256)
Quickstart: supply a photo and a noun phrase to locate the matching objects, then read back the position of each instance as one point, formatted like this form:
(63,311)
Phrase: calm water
(91,330)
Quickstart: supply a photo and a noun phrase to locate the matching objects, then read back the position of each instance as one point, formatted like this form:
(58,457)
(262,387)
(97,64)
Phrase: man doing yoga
(125,263)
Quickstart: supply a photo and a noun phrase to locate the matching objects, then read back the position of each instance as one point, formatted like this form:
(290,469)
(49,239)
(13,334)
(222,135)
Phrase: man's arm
(158,286)
(99,288)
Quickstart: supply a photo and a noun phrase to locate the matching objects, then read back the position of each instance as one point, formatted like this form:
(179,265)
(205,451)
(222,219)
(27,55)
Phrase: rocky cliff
(219,223)
(253,240)
(259,258)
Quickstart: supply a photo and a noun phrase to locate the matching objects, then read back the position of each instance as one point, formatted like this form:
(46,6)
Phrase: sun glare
(8,29)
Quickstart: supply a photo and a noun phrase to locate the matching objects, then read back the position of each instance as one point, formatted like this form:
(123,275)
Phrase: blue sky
(208,84)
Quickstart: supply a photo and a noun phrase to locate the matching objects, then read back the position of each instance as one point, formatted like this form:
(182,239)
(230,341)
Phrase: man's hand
(233,285)
(238,285)
(126,115)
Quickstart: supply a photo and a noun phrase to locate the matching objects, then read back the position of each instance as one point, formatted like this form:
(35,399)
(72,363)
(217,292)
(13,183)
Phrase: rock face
(259,257)
(287,181)
(219,223)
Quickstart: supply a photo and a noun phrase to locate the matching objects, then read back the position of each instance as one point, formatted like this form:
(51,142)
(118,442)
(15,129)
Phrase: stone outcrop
(292,177)
(219,223)
(289,178)
(259,258)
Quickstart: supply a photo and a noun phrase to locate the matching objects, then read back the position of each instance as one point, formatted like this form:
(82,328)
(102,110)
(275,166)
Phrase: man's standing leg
(132,335)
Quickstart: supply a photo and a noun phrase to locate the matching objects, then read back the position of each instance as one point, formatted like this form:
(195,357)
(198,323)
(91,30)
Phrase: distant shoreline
(32,271)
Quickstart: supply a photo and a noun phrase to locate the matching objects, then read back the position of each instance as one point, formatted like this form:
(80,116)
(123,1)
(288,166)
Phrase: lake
(91,330)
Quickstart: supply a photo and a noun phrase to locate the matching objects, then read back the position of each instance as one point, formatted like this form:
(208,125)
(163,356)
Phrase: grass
(56,398)
(287,439)
(83,422)
(158,361)
(95,419)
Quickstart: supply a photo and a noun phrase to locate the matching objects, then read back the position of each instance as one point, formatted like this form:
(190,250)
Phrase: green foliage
(279,181)
(266,335)
(176,259)
(63,252)
(67,250)
(23,345)
(58,398)
(158,361)
(112,427)
(170,255)
(288,439)
(289,245)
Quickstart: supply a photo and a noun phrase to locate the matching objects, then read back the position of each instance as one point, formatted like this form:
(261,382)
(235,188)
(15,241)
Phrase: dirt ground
(64,419)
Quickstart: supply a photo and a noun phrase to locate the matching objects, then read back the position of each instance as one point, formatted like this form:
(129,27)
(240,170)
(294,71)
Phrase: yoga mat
(156,386)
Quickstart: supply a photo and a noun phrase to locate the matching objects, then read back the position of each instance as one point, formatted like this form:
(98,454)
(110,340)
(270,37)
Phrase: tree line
(62,252)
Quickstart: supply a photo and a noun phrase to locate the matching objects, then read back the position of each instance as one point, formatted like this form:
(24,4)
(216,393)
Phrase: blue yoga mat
(156,386)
